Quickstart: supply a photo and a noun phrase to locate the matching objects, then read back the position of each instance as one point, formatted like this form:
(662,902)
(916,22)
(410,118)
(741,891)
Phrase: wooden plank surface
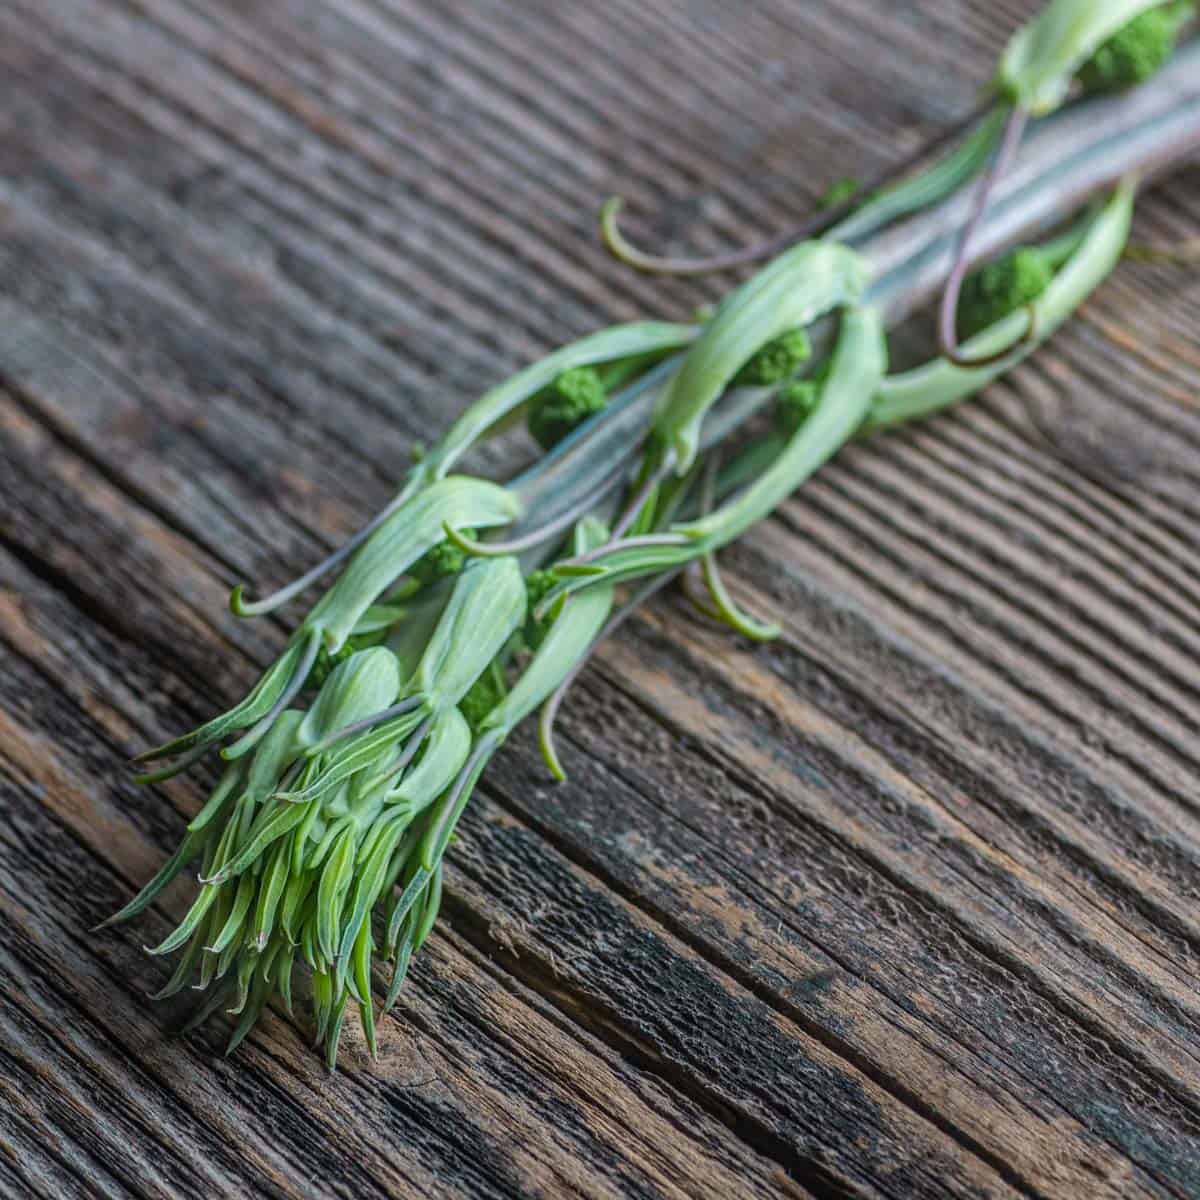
(901,905)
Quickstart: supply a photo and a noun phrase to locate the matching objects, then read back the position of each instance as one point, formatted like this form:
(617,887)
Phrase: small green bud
(838,193)
(482,696)
(573,397)
(327,660)
(775,361)
(444,559)
(538,585)
(1001,287)
(1136,51)
(794,404)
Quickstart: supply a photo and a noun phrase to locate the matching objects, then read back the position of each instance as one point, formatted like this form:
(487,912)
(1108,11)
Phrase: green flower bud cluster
(441,560)
(1001,287)
(794,402)
(483,695)
(1137,50)
(777,360)
(538,585)
(328,659)
(1108,45)
(573,397)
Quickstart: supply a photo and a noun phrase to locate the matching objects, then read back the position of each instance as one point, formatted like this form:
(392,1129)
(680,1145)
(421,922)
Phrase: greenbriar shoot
(468,604)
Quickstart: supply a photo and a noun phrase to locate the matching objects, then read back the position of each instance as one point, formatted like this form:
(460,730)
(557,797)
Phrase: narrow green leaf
(296,892)
(230,779)
(331,891)
(334,1036)
(183,970)
(283,975)
(413,889)
(273,754)
(270,890)
(308,942)
(446,750)
(333,831)
(209,1005)
(188,925)
(257,704)
(322,996)
(433,904)
(302,838)
(237,914)
(369,882)
(567,640)
(362,980)
(272,824)
(445,816)
(355,754)
(189,849)
(403,957)
(260,993)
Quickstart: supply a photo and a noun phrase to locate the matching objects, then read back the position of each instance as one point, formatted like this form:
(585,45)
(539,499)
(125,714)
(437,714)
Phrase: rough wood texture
(901,905)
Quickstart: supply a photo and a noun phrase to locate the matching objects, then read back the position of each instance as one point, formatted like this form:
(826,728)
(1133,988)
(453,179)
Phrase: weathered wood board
(904,904)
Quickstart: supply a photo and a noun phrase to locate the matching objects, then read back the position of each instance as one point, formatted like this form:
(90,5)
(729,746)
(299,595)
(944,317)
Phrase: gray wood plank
(902,905)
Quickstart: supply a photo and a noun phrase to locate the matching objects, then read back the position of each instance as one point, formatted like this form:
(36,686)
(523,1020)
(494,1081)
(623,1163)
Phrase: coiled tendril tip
(953,354)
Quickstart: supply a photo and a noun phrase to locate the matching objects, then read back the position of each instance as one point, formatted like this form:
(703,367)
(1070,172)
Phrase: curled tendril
(820,223)
(546,719)
(697,594)
(724,608)
(180,765)
(241,607)
(622,249)
(727,610)
(478,549)
(1023,343)
(1014,127)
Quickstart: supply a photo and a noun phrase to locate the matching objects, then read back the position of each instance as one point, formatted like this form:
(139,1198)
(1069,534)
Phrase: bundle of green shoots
(466,604)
